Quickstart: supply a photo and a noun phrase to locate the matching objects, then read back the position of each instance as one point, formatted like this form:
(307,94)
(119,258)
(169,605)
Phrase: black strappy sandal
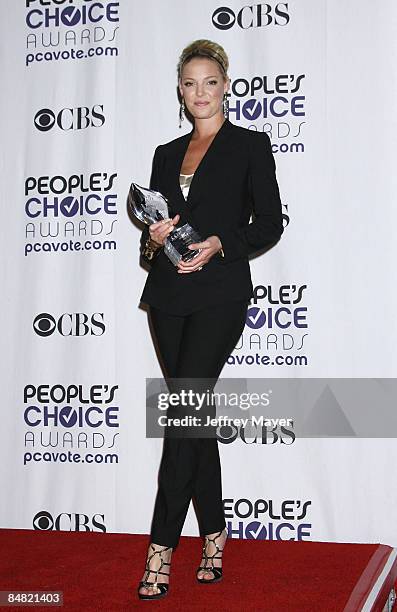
(161,586)
(217,571)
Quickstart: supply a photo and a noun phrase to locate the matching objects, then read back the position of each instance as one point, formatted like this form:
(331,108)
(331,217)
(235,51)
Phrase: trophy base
(176,245)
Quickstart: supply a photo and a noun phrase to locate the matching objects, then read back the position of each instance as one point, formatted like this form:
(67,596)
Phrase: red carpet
(100,572)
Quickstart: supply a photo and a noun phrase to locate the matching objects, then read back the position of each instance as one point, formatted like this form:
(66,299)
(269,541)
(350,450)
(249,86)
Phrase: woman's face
(202,86)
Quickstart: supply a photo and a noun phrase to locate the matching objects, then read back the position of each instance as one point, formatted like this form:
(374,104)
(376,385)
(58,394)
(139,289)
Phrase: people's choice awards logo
(268,519)
(70,213)
(275,104)
(58,33)
(277,327)
(254,16)
(74,424)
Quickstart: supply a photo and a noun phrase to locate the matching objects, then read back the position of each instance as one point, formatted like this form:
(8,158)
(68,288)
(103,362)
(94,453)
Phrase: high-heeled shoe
(209,559)
(161,586)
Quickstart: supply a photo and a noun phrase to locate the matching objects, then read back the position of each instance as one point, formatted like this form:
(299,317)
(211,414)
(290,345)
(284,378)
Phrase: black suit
(235,178)
(194,330)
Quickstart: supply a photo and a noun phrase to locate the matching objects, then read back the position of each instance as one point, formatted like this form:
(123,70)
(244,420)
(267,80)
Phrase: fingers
(200,245)
(197,263)
(183,271)
(194,265)
(160,230)
(155,226)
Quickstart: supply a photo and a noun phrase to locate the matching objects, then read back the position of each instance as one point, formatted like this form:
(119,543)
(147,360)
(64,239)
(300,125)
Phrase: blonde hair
(204,48)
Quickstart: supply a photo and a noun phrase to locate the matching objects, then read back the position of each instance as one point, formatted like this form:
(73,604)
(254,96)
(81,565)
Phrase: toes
(148,591)
(207,575)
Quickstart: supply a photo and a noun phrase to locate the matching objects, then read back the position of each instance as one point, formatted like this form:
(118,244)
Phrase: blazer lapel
(213,152)
(176,199)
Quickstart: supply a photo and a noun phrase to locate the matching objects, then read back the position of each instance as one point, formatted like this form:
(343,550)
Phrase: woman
(214,177)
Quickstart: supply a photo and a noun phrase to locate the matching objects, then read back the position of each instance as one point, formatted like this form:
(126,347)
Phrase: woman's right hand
(160,230)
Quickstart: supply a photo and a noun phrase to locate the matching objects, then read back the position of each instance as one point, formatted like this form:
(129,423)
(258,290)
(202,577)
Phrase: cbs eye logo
(44,119)
(44,324)
(223,18)
(43,521)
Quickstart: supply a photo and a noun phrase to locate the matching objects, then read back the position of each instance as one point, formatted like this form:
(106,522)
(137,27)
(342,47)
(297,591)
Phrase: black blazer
(237,176)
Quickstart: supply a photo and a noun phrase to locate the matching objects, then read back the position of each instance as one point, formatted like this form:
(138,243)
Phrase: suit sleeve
(154,184)
(267,226)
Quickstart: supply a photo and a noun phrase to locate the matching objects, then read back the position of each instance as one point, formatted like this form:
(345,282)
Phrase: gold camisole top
(184,181)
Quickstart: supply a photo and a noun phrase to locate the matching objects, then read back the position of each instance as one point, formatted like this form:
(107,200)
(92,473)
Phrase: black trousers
(192,346)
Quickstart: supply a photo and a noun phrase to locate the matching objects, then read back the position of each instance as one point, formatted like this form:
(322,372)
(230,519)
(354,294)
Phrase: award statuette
(150,206)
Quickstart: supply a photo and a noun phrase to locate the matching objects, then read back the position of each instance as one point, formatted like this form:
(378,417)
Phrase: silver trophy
(150,206)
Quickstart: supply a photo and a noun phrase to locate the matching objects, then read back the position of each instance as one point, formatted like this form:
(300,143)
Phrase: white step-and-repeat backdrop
(88,92)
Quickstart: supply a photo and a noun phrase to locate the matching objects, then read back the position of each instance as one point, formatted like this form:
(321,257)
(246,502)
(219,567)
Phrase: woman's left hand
(208,248)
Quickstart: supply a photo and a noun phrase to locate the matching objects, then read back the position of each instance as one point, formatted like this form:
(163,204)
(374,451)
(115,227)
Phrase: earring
(225,104)
(181,112)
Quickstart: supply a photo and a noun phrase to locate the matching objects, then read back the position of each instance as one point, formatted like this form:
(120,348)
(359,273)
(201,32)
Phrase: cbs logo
(255,16)
(44,521)
(70,324)
(268,436)
(67,119)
